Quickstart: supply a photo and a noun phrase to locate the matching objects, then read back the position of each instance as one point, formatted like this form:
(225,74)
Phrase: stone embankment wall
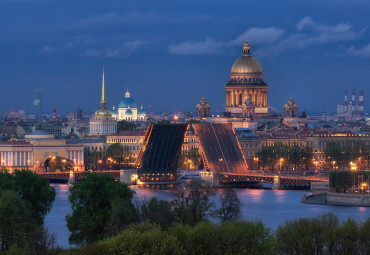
(318,188)
(348,199)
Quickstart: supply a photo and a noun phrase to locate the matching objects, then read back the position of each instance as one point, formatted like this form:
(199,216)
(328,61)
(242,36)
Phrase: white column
(24,159)
(78,158)
(12,158)
(2,157)
(31,155)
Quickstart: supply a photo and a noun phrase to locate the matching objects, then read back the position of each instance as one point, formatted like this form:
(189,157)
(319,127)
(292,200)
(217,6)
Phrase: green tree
(192,203)
(61,164)
(307,156)
(364,240)
(125,125)
(15,220)
(36,192)
(294,157)
(114,151)
(157,211)
(266,157)
(333,152)
(340,180)
(230,206)
(93,207)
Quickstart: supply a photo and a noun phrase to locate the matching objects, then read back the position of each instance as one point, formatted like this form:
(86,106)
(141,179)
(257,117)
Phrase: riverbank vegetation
(320,235)
(25,199)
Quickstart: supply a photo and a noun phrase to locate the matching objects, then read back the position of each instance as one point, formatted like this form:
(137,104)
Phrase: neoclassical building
(128,110)
(103,123)
(246,81)
(36,150)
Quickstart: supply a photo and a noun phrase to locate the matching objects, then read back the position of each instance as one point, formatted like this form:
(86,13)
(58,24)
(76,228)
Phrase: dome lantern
(246,48)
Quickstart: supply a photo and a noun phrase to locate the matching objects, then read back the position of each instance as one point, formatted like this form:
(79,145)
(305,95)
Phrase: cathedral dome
(128,112)
(246,65)
(103,111)
(246,69)
(203,102)
(290,102)
(141,111)
(127,101)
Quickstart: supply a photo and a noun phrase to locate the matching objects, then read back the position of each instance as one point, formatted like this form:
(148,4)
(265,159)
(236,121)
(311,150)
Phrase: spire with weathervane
(103,104)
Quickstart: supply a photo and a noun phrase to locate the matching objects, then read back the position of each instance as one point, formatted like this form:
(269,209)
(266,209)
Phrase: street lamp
(256,159)
(281,162)
(333,162)
(315,162)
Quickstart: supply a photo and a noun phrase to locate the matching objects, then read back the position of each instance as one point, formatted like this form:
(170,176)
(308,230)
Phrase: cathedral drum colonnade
(246,82)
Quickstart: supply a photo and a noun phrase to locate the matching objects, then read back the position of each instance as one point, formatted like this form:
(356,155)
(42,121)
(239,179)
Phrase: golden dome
(103,112)
(246,65)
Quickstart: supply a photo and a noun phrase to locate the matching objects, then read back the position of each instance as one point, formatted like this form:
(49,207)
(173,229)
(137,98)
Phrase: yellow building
(37,150)
(130,140)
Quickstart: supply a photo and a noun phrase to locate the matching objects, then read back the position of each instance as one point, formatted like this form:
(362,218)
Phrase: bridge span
(221,179)
(278,180)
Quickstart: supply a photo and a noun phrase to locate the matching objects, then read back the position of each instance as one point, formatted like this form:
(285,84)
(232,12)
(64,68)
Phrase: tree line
(342,155)
(280,156)
(323,234)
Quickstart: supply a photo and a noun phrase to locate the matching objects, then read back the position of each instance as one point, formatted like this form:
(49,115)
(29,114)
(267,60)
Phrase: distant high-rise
(37,102)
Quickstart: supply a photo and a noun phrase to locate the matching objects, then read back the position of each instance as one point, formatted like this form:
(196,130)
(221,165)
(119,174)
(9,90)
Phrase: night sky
(170,52)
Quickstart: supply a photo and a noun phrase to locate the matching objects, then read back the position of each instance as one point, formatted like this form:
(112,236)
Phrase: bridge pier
(276,182)
(71,177)
(128,176)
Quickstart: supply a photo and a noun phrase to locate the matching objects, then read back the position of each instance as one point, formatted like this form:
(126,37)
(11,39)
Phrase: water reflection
(273,207)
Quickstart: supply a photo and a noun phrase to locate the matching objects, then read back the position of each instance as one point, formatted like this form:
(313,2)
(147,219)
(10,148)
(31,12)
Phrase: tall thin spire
(102,101)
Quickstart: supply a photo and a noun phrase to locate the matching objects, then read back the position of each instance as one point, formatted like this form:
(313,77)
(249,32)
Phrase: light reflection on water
(273,207)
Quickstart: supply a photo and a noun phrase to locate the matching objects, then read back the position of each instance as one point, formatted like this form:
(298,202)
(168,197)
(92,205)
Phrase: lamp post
(281,162)
(316,162)
(333,162)
(353,169)
(257,159)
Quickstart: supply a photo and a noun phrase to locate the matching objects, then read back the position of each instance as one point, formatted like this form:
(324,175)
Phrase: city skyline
(169,55)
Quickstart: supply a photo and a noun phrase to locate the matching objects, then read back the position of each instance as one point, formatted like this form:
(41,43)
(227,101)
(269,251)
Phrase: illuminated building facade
(128,110)
(246,81)
(36,150)
(103,123)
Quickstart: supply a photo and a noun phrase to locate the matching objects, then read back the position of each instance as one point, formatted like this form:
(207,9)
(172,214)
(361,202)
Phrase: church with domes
(246,82)
(128,110)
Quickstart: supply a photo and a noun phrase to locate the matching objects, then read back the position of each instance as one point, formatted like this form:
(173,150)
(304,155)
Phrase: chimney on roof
(353,98)
(361,101)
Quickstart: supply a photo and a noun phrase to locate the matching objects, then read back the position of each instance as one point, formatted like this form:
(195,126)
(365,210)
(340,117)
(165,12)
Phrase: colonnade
(99,128)
(76,156)
(237,97)
(16,158)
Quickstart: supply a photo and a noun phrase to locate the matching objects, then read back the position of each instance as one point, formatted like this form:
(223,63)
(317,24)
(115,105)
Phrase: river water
(273,207)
